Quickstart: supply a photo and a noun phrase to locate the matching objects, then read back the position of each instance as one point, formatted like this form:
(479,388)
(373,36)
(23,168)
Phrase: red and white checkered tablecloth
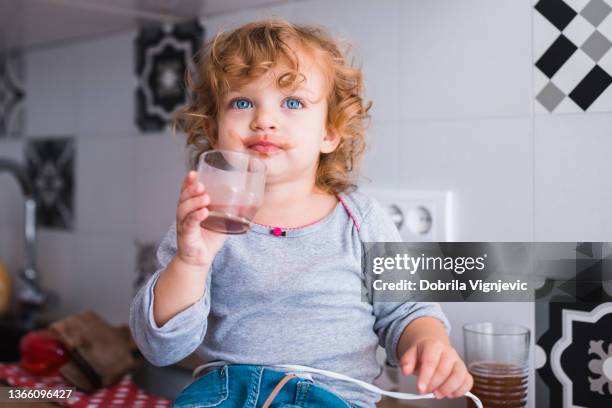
(122,394)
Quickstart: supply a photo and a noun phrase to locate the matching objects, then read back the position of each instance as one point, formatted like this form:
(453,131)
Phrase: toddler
(288,292)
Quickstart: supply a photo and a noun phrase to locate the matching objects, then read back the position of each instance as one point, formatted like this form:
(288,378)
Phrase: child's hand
(439,369)
(195,245)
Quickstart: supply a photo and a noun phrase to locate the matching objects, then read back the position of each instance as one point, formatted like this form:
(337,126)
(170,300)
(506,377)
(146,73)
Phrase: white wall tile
(50,91)
(159,169)
(223,22)
(11,197)
(486,163)
(55,252)
(381,161)
(469,58)
(105,85)
(103,275)
(374,32)
(104,193)
(572,167)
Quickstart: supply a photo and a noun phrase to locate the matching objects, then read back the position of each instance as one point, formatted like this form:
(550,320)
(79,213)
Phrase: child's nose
(264,121)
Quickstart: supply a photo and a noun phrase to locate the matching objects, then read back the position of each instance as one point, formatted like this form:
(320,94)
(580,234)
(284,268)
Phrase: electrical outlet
(419,215)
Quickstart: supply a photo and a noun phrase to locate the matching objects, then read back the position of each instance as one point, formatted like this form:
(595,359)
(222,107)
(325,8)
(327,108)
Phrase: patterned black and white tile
(12,95)
(50,164)
(573,57)
(573,352)
(162,55)
(573,355)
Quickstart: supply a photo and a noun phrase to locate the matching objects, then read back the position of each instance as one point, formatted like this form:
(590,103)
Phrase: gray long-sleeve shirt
(292,299)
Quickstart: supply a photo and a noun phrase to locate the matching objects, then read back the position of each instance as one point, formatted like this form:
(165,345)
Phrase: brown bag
(101,354)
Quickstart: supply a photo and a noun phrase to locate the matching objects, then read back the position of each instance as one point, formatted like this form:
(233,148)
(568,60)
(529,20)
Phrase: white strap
(331,374)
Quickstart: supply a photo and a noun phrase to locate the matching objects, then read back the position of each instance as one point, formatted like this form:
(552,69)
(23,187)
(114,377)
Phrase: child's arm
(179,336)
(414,334)
(168,316)
(179,286)
(424,347)
(183,281)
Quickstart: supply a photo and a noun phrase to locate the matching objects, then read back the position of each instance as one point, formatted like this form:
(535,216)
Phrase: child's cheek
(228,137)
(230,143)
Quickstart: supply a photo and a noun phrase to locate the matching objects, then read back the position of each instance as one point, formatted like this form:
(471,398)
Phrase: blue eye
(241,103)
(292,103)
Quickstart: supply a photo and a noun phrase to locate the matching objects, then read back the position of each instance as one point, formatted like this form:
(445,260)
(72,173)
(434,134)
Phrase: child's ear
(330,141)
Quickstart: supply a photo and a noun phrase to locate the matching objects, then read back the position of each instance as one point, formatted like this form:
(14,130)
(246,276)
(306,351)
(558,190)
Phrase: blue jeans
(248,386)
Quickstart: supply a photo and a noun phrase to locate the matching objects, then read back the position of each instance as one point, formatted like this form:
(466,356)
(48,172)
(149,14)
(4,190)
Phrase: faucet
(30,296)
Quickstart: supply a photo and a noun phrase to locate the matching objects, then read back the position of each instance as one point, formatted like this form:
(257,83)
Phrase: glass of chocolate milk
(235,182)
(497,356)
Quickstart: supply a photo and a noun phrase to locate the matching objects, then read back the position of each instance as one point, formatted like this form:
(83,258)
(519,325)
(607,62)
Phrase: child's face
(284,127)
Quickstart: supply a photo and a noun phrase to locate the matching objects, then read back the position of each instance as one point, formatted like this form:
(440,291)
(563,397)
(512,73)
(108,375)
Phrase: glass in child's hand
(497,356)
(235,182)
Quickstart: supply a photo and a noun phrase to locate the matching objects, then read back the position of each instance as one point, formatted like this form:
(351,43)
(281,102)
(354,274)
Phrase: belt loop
(301,392)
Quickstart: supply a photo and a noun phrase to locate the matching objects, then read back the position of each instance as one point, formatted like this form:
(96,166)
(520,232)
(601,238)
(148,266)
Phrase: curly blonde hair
(235,58)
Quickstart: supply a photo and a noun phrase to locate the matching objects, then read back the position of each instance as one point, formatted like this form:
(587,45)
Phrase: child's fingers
(408,361)
(453,382)
(189,178)
(443,370)
(429,360)
(465,387)
(190,185)
(191,205)
(195,217)
(193,189)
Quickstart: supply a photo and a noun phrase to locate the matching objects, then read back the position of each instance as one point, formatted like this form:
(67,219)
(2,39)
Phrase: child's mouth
(265,148)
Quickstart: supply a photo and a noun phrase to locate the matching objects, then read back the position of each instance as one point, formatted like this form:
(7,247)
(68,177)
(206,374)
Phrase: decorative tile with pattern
(162,56)
(12,95)
(572,331)
(50,164)
(573,355)
(577,66)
